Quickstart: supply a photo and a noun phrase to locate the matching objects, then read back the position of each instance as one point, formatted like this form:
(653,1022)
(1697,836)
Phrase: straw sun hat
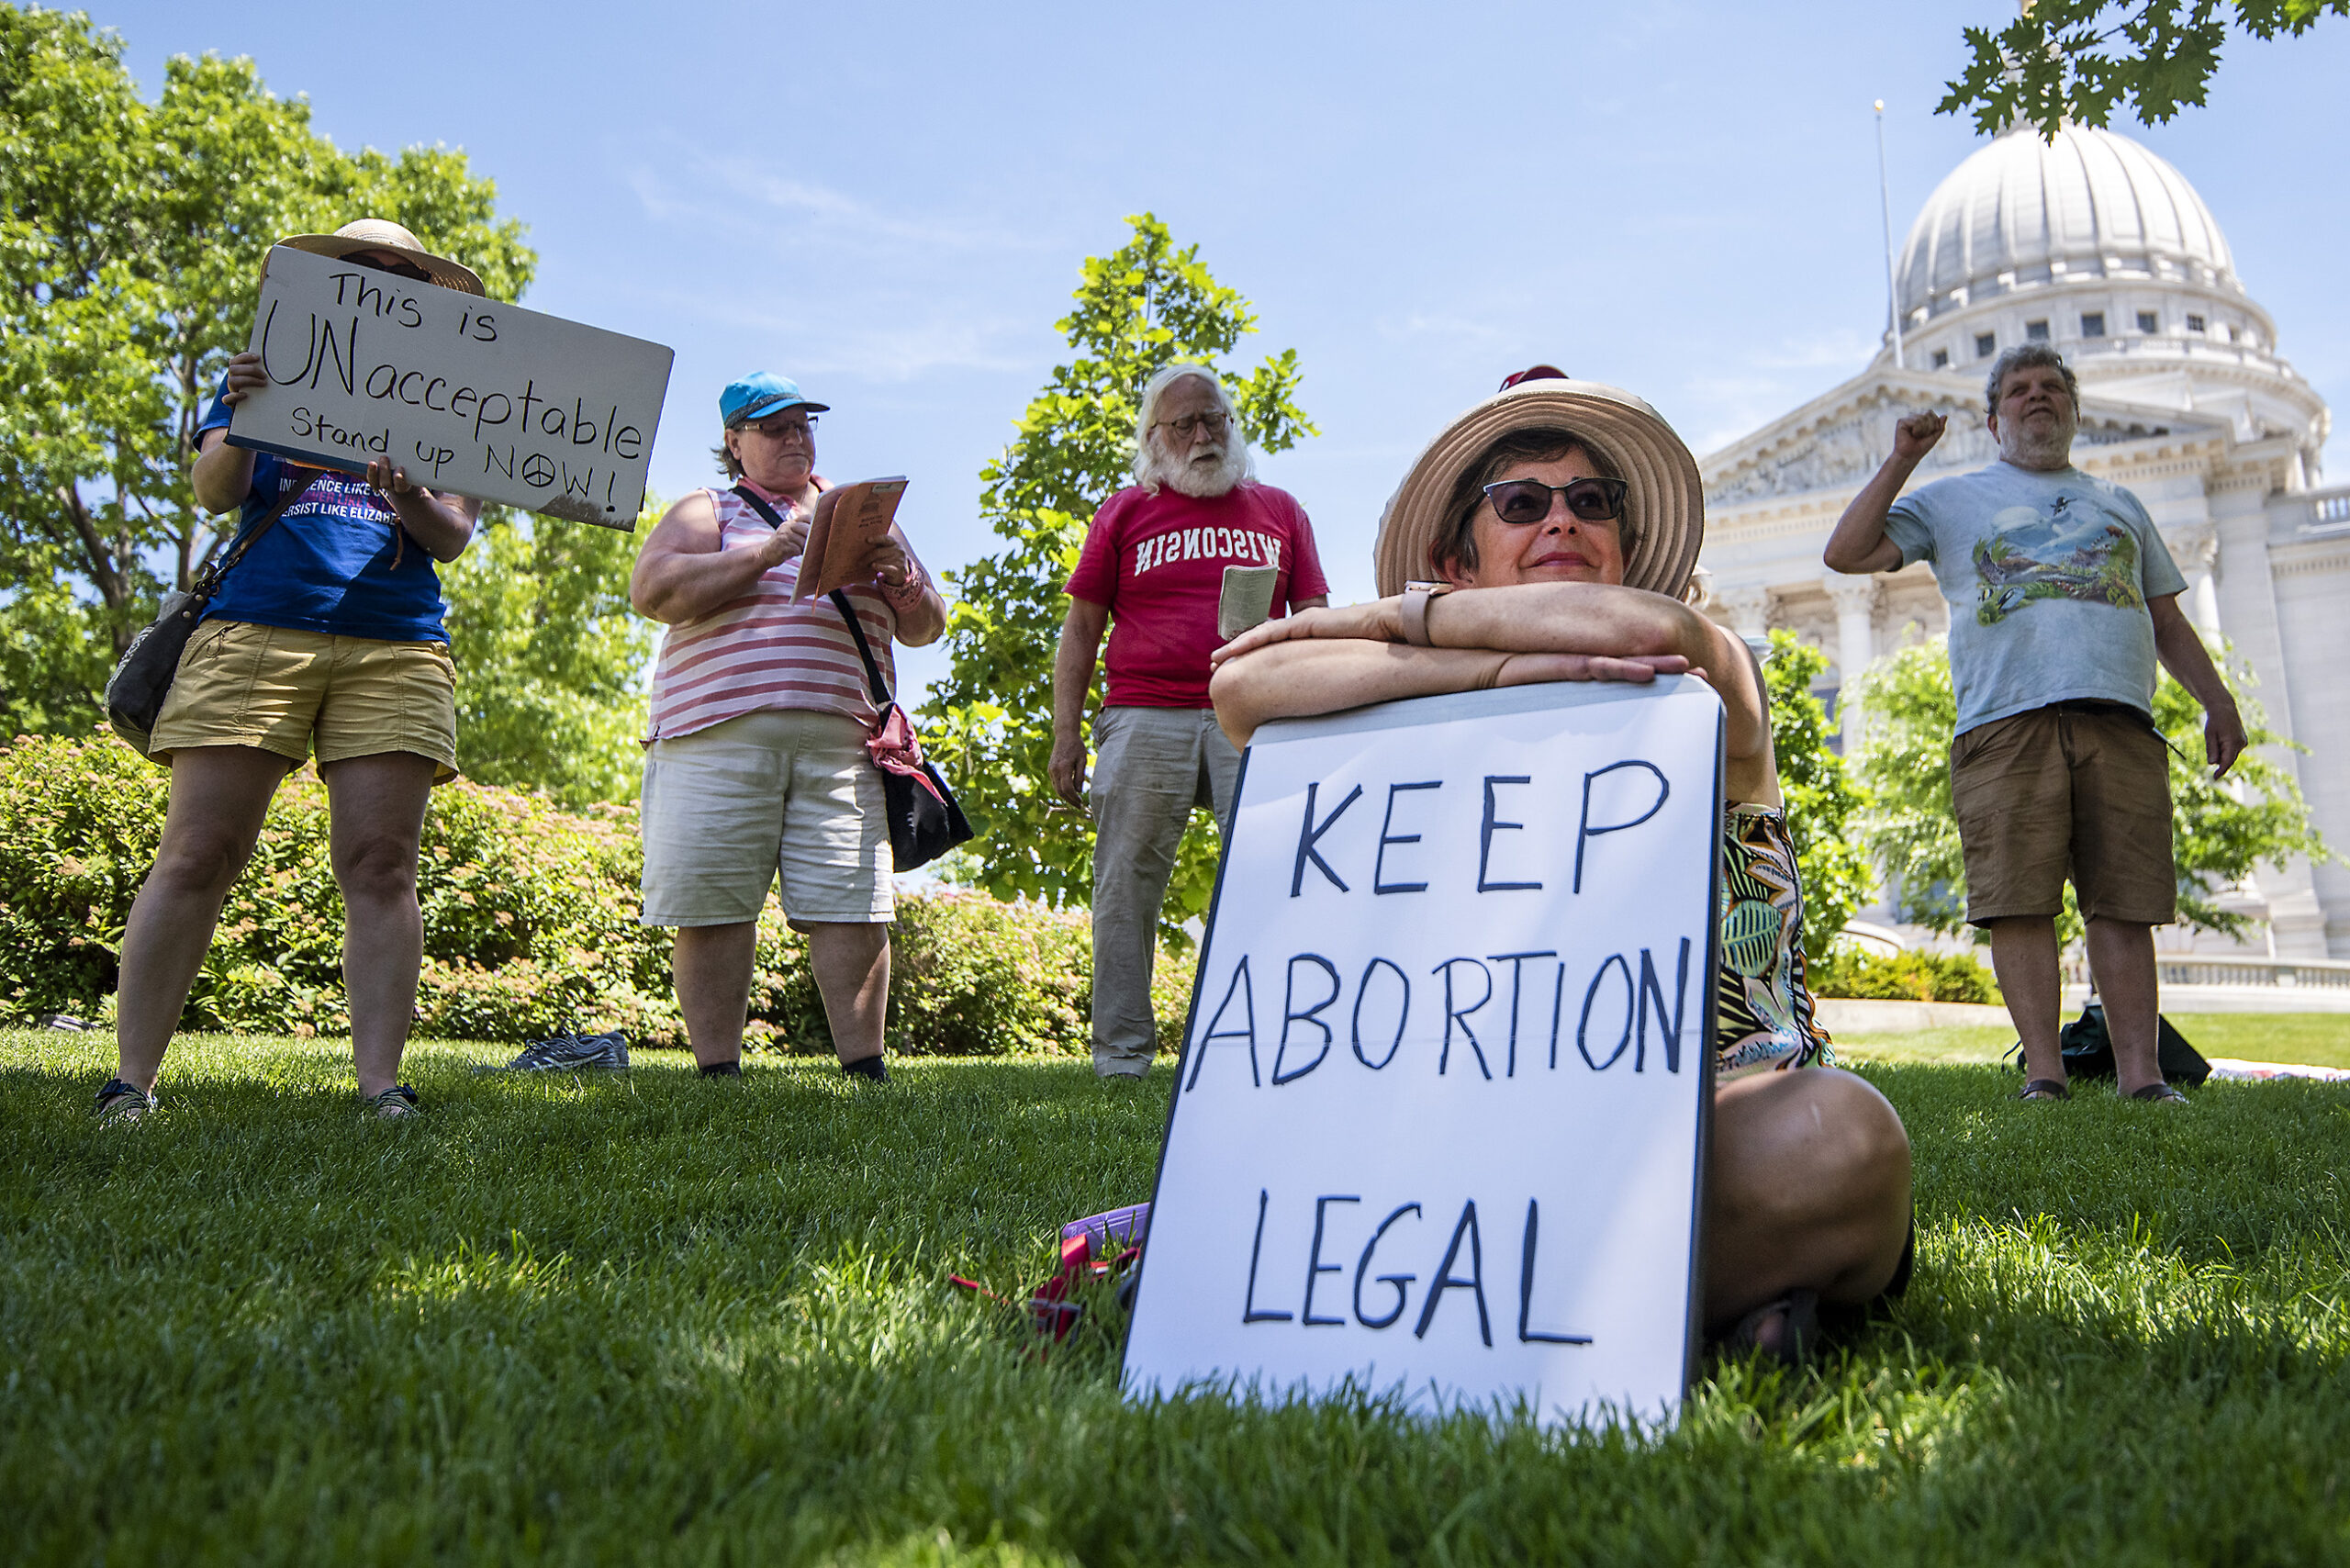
(1664,506)
(383,234)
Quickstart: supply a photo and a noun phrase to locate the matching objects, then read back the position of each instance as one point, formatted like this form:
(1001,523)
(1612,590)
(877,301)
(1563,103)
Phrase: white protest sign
(1440,1120)
(469,396)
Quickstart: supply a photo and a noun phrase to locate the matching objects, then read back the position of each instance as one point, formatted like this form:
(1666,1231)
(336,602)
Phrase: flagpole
(1885,209)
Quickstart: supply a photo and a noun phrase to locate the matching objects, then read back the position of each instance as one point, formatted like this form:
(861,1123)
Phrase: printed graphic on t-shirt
(2072,551)
(1211,543)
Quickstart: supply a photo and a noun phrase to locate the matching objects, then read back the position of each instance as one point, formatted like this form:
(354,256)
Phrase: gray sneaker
(571,1053)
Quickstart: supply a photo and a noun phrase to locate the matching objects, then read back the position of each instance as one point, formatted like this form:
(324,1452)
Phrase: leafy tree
(1821,799)
(990,722)
(549,657)
(131,238)
(2075,60)
(2221,829)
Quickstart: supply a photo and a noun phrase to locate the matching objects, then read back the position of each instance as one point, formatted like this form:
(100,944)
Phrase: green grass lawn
(653,1318)
(2313,1039)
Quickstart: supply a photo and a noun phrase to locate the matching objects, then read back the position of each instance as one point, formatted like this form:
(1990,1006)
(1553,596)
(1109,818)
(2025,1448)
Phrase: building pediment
(1839,438)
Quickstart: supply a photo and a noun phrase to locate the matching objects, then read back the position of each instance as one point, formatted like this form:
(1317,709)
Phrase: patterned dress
(1762,1010)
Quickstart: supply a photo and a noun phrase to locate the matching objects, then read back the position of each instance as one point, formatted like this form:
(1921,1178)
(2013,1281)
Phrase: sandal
(393,1103)
(120,1101)
(2045,1089)
(1784,1329)
(2159,1094)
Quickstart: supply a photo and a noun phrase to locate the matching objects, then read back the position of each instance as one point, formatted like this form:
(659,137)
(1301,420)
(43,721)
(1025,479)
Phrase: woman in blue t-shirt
(327,634)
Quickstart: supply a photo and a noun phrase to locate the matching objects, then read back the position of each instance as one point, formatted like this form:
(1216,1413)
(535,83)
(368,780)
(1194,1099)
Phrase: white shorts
(789,788)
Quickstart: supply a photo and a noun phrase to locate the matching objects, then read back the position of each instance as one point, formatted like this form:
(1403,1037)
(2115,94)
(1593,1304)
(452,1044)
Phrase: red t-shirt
(1157,561)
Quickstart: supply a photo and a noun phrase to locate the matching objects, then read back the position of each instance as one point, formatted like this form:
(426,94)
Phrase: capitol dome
(2022,212)
(2094,245)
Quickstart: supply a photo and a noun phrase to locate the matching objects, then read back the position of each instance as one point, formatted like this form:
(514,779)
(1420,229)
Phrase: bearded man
(1157,559)
(2062,597)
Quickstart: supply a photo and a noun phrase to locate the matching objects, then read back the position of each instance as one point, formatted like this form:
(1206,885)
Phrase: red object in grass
(1119,1235)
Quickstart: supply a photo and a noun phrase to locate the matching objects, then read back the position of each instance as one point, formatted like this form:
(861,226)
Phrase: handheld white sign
(469,396)
(1440,1120)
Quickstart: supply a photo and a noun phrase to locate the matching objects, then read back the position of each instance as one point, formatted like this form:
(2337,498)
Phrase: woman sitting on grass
(1549,535)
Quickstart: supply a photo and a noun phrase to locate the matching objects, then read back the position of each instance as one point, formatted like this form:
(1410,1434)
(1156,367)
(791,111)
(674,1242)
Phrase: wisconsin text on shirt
(1193,543)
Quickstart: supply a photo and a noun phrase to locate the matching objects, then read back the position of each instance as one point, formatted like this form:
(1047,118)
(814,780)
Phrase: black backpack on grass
(2088,1049)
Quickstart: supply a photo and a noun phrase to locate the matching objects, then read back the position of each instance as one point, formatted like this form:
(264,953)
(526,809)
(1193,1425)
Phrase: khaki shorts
(277,690)
(788,788)
(2065,790)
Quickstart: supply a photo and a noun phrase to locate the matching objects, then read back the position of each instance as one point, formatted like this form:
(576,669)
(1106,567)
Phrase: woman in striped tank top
(755,761)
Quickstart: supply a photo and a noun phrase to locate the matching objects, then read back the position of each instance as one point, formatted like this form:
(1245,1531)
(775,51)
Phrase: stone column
(1749,609)
(2196,551)
(1855,600)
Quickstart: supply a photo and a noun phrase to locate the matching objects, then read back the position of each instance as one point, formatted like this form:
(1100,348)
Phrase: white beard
(1210,473)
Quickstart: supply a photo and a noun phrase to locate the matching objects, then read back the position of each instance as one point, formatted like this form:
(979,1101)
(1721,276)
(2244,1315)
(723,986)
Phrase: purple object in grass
(1124,1227)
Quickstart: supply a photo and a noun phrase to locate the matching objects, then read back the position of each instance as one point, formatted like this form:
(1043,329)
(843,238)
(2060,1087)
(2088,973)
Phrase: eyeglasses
(1191,424)
(777,430)
(1528,500)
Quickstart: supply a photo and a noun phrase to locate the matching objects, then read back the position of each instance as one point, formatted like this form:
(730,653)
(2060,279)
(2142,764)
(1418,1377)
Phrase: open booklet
(851,520)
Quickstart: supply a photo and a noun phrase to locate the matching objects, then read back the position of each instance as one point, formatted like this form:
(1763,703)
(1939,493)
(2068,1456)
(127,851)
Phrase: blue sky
(891,201)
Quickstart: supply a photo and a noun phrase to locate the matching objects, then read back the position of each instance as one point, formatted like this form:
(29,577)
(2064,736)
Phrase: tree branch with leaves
(989,722)
(2078,59)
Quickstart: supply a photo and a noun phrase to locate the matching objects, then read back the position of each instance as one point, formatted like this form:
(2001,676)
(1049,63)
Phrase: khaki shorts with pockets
(277,690)
(789,788)
(2074,788)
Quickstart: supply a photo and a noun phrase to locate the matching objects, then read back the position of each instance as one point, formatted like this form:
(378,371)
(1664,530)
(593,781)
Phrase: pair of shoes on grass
(870,1069)
(120,1102)
(570,1053)
(2051,1089)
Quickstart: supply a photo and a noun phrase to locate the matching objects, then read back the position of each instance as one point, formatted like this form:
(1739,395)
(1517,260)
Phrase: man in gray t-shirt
(2062,597)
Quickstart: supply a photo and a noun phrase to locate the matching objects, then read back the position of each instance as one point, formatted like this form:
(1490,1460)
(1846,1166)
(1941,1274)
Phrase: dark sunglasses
(1528,500)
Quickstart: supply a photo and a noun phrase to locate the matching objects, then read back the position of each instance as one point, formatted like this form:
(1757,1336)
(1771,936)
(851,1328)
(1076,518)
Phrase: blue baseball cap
(759,394)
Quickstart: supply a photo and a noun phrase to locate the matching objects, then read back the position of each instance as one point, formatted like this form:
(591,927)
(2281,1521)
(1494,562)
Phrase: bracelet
(908,592)
(1415,611)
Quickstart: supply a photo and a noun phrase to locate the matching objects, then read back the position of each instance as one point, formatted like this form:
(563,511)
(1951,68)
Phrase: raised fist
(1915,436)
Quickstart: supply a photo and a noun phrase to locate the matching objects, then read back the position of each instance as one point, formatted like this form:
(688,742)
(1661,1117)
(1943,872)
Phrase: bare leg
(711,969)
(2122,956)
(375,817)
(2023,955)
(1808,1185)
(219,795)
(852,965)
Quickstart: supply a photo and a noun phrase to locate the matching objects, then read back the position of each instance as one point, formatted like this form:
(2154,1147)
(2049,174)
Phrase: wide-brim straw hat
(383,234)
(1664,501)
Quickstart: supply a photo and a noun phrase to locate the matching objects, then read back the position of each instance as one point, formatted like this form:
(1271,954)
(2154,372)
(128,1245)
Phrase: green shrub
(530,926)
(1909,975)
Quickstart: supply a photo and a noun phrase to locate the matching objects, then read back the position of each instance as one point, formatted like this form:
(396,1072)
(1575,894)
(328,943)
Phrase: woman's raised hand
(245,377)
(391,478)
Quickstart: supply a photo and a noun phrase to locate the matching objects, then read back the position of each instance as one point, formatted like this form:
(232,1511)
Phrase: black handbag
(143,675)
(2088,1049)
(925,820)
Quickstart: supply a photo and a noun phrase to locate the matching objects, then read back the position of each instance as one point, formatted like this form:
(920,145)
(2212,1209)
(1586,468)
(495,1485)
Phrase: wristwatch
(1415,611)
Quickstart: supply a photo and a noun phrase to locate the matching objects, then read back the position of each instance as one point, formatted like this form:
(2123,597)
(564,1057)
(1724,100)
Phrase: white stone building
(2096,245)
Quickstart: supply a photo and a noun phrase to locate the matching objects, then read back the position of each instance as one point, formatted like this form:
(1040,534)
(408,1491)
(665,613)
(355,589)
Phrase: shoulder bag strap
(210,580)
(881,698)
(758,504)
